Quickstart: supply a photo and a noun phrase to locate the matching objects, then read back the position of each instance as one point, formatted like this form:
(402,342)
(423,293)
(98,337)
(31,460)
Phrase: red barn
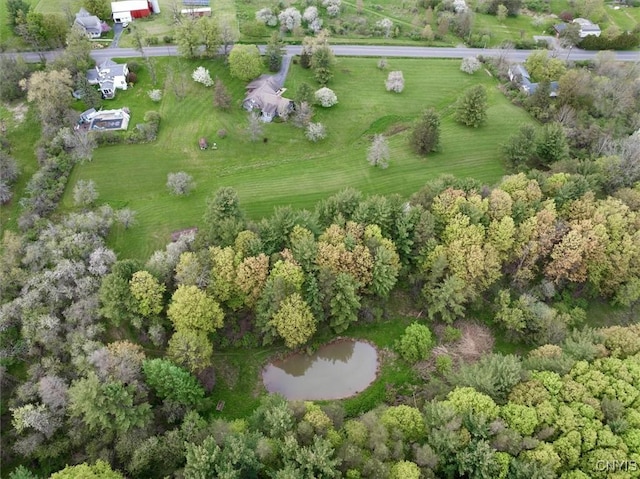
(124,12)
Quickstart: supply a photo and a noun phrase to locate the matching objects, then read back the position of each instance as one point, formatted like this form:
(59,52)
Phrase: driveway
(117,33)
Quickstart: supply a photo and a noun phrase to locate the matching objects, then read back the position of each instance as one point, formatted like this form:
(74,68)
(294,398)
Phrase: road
(356,51)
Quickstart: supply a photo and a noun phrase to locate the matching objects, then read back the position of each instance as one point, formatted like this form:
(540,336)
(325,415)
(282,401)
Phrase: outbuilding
(126,11)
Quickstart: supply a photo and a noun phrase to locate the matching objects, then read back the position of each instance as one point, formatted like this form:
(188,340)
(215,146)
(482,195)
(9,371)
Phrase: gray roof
(87,21)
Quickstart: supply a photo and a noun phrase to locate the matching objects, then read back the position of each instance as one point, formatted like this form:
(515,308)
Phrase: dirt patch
(19,112)
(476,341)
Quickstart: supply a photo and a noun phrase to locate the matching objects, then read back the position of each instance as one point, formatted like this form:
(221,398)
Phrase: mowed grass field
(286,169)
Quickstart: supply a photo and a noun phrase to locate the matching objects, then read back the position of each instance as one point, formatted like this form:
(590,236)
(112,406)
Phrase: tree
(228,36)
(416,343)
(266,17)
(99,8)
(180,183)
(520,148)
(446,300)
(190,348)
(325,97)
(223,219)
(471,107)
(302,115)
(294,321)
(201,75)
(221,96)
(51,93)
(188,38)
(172,382)
(76,56)
(148,293)
(322,63)
(470,65)
(378,153)
(551,144)
(274,52)
(425,136)
(316,132)
(209,32)
(192,309)
(245,62)
(16,9)
(117,303)
(107,407)
(254,126)
(91,96)
(290,19)
(126,217)
(85,193)
(541,67)
(406,420)
(405,470)
(99,470)
(12,71)
(344,302)
(395,82)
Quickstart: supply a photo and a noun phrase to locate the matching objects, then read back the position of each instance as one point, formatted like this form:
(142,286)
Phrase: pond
(336,370)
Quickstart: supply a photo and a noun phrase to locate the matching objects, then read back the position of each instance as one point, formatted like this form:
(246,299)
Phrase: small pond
(336,370)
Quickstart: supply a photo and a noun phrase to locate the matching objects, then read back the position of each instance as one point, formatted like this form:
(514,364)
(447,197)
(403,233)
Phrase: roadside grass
(286,169)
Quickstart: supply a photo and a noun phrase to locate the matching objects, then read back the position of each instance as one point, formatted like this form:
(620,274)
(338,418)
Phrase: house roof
(129,6)
(110,68)
(87,21)
(586,25)
(265,94)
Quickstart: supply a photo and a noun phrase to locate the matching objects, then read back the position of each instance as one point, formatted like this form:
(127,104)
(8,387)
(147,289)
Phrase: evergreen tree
(471,108)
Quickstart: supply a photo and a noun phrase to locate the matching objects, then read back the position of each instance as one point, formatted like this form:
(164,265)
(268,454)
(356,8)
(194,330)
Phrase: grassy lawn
(513,28)
(287,169)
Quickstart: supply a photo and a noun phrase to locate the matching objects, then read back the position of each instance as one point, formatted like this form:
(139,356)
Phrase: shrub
(416,343)
(395,82)
(201,75)
(316,132)
(155,95)
(222,133)
(167,39)
(444,364)
(326,97)
(451,334)
(382,64)
(132,77)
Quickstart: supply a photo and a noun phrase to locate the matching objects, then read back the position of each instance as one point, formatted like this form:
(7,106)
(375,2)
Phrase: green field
(286,168)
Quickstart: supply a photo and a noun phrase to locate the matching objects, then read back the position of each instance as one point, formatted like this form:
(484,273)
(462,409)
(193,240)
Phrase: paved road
(358,51)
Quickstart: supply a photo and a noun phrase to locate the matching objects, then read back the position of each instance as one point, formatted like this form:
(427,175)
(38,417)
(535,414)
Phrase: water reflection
(337,370)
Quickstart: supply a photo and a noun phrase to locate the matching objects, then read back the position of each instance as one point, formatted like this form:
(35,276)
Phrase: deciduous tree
(148,293)
(192,309)
(378,153)
(245,62)
(294,321)
(471,107)
(425,136)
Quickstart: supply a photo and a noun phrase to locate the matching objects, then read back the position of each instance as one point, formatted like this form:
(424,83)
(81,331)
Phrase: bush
(444,364)
(222,133)
(395,82)
(382,64)
(155,95)
(201,75)
(132,77)
(316,132)
(451,334)
(470,65)
(180,184)
(326,97)
(416,343)
(151,40)
(167,39)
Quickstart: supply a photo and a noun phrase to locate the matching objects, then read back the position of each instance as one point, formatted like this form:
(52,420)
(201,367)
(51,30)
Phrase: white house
(110,76)
(587,28)
(127,10)
(91,24)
